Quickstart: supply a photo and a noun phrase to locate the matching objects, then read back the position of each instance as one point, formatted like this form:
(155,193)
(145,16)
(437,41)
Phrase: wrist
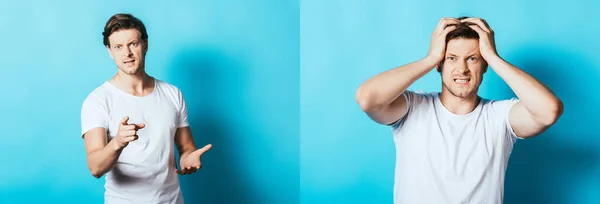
(493,60)
(431,61)
(114,145)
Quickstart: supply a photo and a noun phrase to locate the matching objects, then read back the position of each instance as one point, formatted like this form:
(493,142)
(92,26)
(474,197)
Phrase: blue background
(347,158)
(236,62)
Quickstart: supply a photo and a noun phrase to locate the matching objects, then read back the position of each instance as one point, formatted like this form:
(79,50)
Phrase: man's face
(128,50)
(463,68)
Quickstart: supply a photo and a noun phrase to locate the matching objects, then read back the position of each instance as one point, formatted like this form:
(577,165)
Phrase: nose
(127,51)
(462,68)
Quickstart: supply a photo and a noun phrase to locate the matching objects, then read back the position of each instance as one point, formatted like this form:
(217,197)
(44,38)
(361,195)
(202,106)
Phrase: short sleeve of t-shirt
(94,113)
(182,109)
(413,99)
(503,107)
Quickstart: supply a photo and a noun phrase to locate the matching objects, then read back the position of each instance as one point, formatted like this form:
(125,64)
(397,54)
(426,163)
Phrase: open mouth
(128,62)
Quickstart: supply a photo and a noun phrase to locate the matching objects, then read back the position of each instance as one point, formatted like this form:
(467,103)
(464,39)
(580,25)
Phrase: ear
(145,46)
(485,67)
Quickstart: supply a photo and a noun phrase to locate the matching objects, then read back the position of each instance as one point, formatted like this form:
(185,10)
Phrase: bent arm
(101,157)
(538,107)
(379,95)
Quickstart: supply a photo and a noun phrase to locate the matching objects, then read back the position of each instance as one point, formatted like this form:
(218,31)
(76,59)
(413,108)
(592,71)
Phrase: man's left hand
(487,45)
(190,163)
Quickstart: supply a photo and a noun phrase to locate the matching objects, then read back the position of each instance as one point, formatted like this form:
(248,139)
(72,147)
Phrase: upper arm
(182,120)
(94,123)
(389,114)
(183,135)
(94,139)
(523,123)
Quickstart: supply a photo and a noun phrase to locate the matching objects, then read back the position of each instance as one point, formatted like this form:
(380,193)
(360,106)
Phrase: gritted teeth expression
(463,67)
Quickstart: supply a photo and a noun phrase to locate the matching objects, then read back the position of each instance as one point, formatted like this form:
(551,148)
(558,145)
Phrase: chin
(130,71)
(462,93)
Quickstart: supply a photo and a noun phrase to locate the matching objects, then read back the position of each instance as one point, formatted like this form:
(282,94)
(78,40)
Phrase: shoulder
(97,101)
(419,96)
(100,93)
(166,86)
(499,106)
(170,91)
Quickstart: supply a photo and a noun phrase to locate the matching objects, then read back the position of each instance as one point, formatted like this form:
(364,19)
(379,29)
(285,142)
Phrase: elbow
(96,173)
(555,111)
(364,99)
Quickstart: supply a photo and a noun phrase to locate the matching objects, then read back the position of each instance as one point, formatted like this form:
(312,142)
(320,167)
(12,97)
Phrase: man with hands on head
(132,123)
(454,146)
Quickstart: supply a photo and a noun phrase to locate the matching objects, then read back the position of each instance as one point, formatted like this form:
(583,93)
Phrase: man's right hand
(126,133)
(437,49)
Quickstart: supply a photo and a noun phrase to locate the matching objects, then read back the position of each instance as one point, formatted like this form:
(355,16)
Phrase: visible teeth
(461,80)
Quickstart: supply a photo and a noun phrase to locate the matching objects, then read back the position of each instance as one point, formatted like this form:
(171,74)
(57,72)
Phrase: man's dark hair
(122,21)
(462,31)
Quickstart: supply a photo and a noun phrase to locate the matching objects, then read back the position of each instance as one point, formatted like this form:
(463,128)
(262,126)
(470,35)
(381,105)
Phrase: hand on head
(446,25)
(487,45)
(437,48)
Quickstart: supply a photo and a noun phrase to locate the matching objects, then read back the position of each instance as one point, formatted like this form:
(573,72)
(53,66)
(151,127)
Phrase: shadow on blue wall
(210,80)
(548,168)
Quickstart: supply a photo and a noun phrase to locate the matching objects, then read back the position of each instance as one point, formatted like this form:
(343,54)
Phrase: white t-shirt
(446,158)
(145,170)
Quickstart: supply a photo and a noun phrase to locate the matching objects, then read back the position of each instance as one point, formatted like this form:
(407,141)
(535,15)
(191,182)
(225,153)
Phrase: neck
(139,84)
(459,105)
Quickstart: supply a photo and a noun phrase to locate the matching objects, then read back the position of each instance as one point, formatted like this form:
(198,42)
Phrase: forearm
(102,160)
(539,101)
(184,141)
(385,87)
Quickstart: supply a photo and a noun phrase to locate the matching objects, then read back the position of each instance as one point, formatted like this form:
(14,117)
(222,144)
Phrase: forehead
(462,46)
(124,35)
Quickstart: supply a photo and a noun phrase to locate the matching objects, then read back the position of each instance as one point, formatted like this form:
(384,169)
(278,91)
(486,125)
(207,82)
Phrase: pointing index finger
(140,126)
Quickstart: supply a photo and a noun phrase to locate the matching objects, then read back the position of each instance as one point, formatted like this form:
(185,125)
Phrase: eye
(473,58)
(117,47)
(450,58)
